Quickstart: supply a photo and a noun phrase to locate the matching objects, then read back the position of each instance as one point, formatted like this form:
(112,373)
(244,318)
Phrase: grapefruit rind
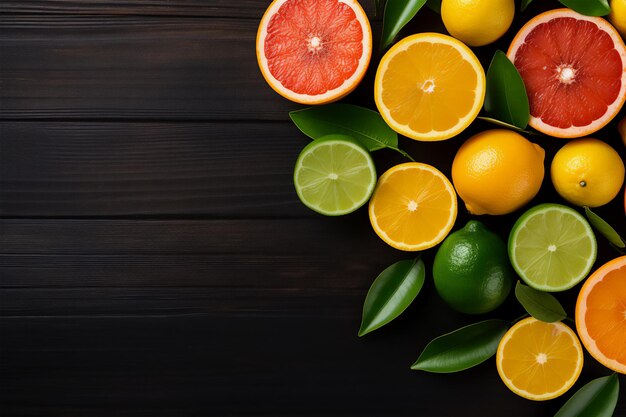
(332,95)
(581,311)
(612,110)
(425,244)
(560,328)
(435,38)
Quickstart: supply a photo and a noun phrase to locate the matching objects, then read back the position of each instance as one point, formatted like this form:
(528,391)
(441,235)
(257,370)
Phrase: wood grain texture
(213,169)
(240,9)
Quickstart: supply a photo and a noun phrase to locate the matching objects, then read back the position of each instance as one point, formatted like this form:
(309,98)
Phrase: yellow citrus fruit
(538,360)
(497,172)
(477,22)
(618,15)
(413,207)
(587,172)
(429,87)
(601,314)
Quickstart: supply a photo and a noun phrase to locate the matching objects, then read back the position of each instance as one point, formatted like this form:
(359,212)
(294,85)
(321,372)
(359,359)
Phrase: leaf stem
(571,320)
(403,153)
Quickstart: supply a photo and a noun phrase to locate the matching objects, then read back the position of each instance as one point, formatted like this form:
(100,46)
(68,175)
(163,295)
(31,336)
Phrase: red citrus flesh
(312,50)
(573,70)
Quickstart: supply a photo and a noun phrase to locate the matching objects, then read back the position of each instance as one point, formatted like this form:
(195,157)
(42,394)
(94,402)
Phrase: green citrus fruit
(471,270)
(334,175)
(552,247)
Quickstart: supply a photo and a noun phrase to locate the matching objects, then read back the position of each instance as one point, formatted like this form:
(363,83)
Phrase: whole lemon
(587,172)
(618,15)
(471,270)
(477,22)
(497,172)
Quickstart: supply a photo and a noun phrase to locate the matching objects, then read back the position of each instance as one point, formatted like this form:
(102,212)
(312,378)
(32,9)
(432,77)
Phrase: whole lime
(471,270)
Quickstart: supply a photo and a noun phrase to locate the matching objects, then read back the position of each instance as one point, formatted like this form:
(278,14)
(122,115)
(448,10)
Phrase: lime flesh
(334,175)
(552,247)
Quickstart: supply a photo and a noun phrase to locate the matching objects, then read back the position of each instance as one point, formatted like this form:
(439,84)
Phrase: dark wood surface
(154,258)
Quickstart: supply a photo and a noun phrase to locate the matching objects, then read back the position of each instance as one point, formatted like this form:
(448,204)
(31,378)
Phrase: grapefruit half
(314,51)
(573,67)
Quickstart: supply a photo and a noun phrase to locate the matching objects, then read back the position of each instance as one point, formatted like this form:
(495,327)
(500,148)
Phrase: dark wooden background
(154,257)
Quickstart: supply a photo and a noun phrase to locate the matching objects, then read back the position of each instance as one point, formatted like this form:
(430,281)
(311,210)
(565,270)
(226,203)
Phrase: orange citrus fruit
(601,314)
(497,171)
(413,207)
(314,51)
(573,67)
(429,87)
(539,361)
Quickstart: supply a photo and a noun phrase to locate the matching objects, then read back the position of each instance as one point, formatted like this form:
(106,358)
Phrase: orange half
(413,207)
(539,361)
(429,87)
(601,314)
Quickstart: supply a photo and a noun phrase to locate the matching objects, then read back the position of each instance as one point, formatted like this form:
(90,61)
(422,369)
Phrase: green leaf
(391,293)
(505,98)
(588,7)
(598,398)
(434,5)
(397,14)
(462,348)
(604,228)
(525,4)
(365,125)
(540,305)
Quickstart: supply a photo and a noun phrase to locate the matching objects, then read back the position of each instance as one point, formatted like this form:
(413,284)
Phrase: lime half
(334,175)
(552,247)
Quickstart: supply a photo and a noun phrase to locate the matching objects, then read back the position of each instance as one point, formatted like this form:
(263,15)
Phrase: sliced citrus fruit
(429,87)
(334,175)
(413,207)
(314,51)
(601,314)
(573,67)
(552,247)
(538,360)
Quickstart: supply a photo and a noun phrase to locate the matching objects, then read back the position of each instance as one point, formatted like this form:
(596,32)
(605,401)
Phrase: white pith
(330,95)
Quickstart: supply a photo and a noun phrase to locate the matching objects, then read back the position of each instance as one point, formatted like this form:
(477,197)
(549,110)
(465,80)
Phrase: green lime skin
(471,270)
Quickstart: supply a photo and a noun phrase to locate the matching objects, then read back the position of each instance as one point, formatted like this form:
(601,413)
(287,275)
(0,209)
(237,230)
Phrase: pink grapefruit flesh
(314,51)
(573,67)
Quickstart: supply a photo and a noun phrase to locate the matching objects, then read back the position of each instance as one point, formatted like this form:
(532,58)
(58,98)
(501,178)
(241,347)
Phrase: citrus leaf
(588,7)
(397,14)
(462,348)
(434,5)
(525,4)
(598,398)
(365,125)
(540,305)
(604,228)
(391,293)
(505,97)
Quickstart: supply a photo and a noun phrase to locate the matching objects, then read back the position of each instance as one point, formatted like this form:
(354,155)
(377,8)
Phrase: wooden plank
(204,366)
(289,254)
(132,67)
(86,169)
(198,8)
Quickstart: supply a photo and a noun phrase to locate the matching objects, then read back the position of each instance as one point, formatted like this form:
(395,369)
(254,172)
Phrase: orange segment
(429,87)
(538,360)
(413,207)
(314,51)
(601,314)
